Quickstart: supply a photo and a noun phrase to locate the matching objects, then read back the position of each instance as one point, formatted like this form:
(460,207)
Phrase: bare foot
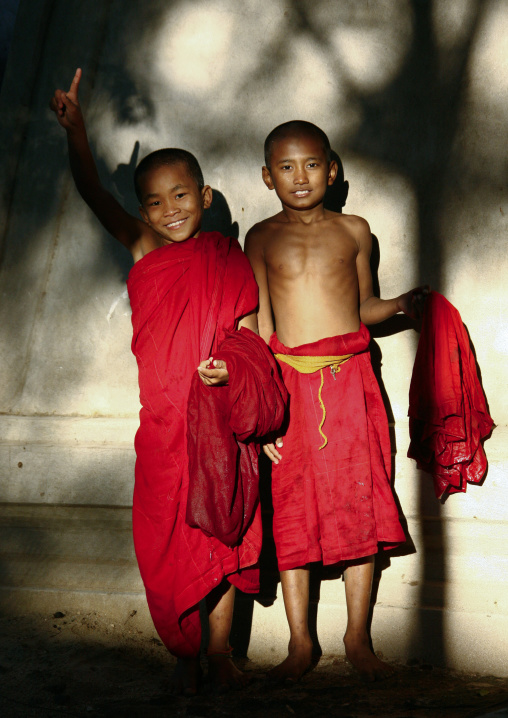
(223,673)
(295,665)
(366,663)
(186,677)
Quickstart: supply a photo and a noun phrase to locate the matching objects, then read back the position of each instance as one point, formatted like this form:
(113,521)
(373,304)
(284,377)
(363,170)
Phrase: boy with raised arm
(331,489)
(188,292)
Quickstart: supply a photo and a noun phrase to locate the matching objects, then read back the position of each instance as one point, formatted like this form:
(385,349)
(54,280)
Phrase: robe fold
(184,298)
(223,423)
(333,504)
(448,415)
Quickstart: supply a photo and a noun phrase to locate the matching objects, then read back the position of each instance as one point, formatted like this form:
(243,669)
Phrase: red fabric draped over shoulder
(184,298)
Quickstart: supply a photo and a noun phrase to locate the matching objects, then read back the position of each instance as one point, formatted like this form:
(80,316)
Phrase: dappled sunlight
(79,337)
(389,203)
(371,57)
(413,95)
(193,46)
(474,220)
(308,87)
(204,52)
(488,67)
(451,21)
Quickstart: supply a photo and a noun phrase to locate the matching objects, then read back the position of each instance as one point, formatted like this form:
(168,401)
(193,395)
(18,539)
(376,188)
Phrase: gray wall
(413,96)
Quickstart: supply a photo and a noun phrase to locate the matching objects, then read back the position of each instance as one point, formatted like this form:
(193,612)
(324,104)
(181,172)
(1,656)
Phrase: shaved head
(295,128)
(169,157)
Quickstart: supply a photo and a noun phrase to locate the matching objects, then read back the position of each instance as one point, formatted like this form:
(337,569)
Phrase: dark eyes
(157,202)
(311,165)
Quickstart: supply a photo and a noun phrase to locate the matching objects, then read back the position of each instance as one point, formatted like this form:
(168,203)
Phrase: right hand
(413,302)
(65,105)
(271,450)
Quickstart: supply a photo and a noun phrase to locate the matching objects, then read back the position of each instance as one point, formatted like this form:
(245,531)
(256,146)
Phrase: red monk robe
(333,504)
(184,297)
(448,414)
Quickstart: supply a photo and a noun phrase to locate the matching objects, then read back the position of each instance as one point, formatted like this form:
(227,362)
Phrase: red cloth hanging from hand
(448,415)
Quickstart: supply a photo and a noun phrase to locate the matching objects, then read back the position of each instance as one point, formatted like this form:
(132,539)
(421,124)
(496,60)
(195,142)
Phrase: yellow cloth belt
(310,365)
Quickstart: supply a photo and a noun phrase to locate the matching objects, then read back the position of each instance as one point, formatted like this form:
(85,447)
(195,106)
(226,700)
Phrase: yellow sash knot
(310,365)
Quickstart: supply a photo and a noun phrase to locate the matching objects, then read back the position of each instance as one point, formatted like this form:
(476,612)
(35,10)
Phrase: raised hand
(65,105)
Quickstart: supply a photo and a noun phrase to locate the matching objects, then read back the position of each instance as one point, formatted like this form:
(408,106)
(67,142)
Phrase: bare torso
(311,274)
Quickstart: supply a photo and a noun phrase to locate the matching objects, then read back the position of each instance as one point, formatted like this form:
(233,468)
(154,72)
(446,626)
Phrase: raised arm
(373,309)
(123,226)
(255,252)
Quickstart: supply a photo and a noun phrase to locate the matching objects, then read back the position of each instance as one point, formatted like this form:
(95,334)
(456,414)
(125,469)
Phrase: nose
(170,210)
(300,176)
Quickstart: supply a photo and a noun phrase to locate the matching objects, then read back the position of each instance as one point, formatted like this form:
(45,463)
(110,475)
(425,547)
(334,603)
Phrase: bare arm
(250,321)
(255,253)
(373,309)
(127,229)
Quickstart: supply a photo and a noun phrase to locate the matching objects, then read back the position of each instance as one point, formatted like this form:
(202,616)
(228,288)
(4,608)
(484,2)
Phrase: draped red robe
(184,297)
(448,413)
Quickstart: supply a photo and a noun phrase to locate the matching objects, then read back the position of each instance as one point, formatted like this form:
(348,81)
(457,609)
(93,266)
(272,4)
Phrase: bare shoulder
(146,240)
(357,226)
(353,222)
(259,233)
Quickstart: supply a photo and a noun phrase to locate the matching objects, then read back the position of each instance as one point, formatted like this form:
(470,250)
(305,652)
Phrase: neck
(305,216)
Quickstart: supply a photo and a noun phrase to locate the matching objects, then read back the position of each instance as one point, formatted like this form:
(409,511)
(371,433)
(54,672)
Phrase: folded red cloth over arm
(222,424)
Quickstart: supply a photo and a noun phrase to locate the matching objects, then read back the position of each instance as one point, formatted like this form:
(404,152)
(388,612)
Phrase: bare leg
(358,577)
(221,669)
(295,589)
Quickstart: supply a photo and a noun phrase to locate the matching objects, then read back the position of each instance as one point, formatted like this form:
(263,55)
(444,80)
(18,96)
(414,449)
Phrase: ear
(143,214)
(332,172)
(207,196)
(267,178)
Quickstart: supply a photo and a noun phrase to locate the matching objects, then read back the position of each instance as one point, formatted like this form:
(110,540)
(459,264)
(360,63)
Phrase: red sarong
(333,504)
(184,297)
(448,415)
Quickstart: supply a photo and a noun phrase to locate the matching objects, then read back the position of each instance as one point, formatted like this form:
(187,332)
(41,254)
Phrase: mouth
(301,192)
(176,224)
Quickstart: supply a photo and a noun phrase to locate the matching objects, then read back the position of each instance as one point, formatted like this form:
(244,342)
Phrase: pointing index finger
(73,90)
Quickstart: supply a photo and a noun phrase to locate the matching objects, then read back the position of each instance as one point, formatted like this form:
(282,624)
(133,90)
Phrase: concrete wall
(413,96)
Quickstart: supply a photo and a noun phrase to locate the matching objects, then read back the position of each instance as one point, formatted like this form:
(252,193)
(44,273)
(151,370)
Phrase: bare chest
(297,257)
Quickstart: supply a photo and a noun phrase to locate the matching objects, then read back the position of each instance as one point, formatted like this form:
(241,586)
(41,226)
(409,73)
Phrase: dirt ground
(88,665)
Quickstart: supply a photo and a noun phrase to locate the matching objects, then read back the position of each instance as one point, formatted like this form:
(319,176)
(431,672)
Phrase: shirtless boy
(169,288)
(331,470)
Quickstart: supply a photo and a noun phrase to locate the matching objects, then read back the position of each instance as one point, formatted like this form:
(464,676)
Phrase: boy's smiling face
(172,203)
(299,171)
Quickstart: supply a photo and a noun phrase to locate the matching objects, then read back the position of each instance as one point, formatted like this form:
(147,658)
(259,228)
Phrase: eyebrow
(150,195)
(290,159)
